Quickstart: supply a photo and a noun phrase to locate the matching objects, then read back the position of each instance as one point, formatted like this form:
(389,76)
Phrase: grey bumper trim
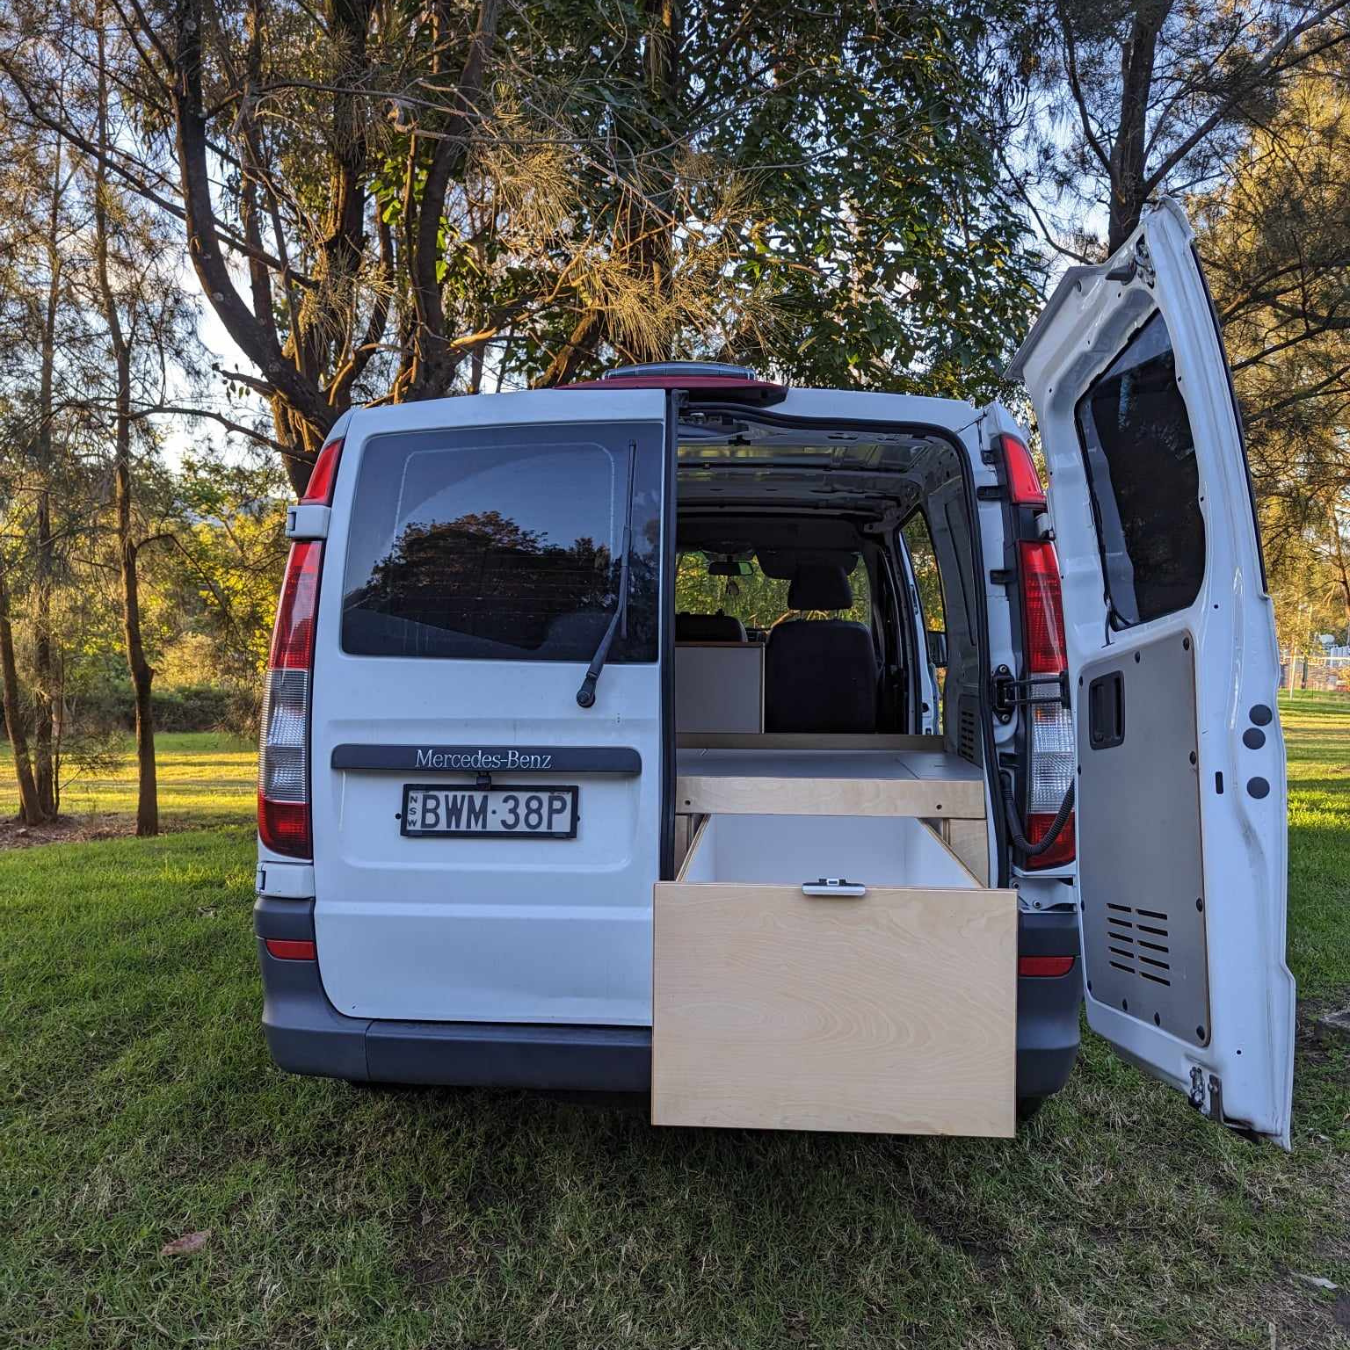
(307,1035)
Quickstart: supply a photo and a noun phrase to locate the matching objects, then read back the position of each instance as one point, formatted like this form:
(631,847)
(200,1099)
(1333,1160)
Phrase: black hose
(1024,845)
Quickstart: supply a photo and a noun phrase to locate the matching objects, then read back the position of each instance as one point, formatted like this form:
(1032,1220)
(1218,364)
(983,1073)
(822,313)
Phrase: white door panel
(1181,791)
(487,929)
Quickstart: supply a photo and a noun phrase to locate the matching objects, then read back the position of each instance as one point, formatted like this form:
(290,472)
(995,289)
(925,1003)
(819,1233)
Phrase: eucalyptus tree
(1137,97)
(386,201)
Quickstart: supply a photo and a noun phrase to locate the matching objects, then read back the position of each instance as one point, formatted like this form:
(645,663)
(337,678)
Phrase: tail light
(1024,480)
(283,754)
(1050,748)
(319,491)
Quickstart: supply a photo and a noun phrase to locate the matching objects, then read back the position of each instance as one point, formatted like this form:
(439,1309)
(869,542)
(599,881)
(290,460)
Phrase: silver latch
(307,520)
(833,886)
(285,880)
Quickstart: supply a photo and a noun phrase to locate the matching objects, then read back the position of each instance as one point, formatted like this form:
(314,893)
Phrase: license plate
(489,813)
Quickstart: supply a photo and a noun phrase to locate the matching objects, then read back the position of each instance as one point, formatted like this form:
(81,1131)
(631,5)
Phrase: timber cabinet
(825,959)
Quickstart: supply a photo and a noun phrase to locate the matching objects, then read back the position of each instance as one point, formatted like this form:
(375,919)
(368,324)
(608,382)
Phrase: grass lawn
(205,778)
(137,1104)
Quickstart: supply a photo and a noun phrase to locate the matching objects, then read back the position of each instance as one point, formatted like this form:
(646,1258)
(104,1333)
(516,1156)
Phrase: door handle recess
(1106,711)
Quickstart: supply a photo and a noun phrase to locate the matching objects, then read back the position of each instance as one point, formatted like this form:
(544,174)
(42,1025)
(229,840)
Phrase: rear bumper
(307,1035)
(1047,1008)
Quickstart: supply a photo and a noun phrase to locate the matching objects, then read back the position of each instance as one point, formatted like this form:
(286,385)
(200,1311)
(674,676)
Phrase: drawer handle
(833,886)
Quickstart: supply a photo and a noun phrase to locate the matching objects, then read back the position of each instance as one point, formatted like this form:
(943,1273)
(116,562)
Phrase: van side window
(503,543)
(1145,485)
(923,559)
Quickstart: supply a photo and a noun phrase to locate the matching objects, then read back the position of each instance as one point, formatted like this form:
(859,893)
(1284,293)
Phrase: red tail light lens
(323,475)
(291,949)
(1050,735)
(283,754)
(293,633)
(1042,609)
(1062,851)
(1044,967)
(1024,481)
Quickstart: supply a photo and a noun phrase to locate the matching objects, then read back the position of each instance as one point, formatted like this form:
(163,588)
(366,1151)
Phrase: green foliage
(874,234)
(926,576)
(110,706)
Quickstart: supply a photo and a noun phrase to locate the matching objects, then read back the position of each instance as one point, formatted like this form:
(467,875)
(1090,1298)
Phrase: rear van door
(1173,669)
(484,844)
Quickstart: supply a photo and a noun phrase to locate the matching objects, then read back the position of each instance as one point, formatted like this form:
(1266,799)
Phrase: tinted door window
(504,543)
(1145,483)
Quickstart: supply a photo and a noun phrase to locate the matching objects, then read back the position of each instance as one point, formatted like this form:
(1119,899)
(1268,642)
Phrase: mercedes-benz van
(794,755)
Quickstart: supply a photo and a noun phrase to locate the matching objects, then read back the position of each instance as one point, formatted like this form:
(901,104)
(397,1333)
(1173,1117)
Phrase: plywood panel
(969,840)
(807,740)
(891,1013)
(798,796)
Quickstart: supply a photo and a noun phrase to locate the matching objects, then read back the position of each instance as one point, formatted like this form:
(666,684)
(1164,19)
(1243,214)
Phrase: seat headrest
(819,586)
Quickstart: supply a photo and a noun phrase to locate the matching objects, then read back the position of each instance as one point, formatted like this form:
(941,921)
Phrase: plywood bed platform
(928,783)
(826,775)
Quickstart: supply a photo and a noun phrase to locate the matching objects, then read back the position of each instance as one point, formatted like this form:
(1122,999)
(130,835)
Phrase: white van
(621,737)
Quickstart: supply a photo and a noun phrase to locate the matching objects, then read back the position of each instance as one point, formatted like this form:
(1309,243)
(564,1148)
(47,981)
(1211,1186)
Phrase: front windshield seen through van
(757,600)
(504,543)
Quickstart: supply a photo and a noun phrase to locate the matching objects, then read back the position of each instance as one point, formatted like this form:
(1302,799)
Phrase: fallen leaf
(1316,1281)
(185,1245)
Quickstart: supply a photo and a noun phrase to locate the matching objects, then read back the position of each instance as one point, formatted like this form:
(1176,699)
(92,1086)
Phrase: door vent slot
(1138,948)
(967,724)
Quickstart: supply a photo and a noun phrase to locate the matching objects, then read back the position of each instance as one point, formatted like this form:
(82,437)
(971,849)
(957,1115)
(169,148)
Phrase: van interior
(802,685)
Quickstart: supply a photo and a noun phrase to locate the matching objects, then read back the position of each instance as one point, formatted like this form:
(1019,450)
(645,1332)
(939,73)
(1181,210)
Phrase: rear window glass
(1145,483)
(504,543)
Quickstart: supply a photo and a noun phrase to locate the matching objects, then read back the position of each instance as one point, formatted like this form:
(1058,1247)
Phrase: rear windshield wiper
(619,623)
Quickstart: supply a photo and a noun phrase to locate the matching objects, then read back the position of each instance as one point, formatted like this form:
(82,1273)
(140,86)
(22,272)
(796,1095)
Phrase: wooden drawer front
(894,1012)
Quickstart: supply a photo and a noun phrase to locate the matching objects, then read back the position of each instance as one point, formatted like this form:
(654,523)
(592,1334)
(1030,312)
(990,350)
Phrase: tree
(383,203)
(41,330)
(1136,97)
(1276,241)
(146,322)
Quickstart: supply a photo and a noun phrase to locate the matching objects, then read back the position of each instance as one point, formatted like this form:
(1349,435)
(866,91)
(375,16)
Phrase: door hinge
(1007,694)
(1215,1112)
(1196,1096)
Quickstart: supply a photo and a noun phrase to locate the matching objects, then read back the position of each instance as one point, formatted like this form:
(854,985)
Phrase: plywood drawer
(893,1011)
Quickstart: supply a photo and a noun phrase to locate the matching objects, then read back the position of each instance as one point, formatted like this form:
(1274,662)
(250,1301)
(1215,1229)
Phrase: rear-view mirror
(937,648)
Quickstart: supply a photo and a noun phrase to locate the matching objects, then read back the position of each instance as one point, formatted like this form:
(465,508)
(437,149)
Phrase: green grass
(137,1104)
(205,778)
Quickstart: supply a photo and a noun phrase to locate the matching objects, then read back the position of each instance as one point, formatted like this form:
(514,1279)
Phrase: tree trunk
(46,691)
(142,673)
(1342,564)
(29,811)
(1128,168)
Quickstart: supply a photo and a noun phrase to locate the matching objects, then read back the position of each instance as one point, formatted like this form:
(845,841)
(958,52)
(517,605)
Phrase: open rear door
(1172,658)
